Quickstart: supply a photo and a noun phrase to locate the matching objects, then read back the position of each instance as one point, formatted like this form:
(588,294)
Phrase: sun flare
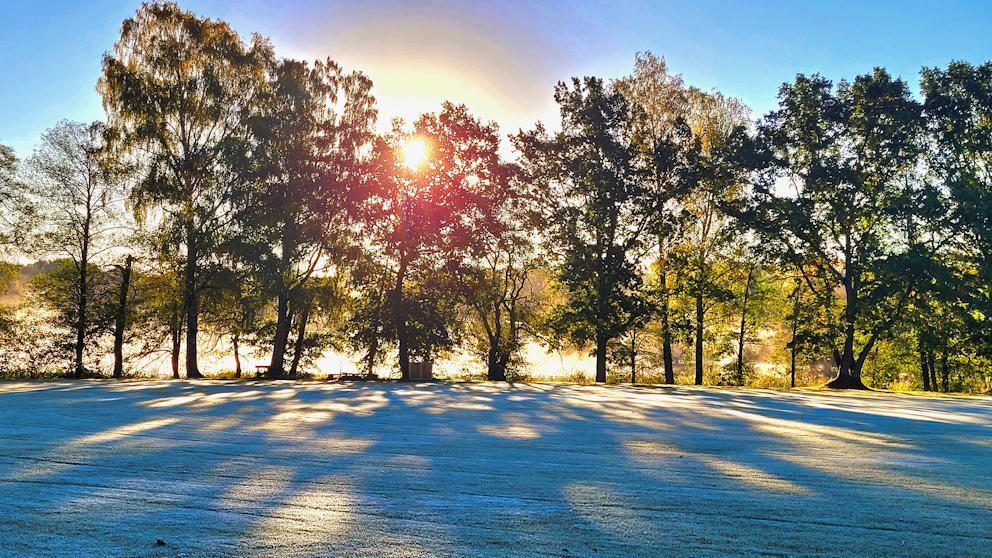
(414,153)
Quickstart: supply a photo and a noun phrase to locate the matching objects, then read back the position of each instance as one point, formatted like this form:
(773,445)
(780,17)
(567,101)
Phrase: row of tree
(249,197)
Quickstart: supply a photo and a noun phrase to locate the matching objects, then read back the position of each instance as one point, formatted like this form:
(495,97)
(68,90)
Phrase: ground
(212,468)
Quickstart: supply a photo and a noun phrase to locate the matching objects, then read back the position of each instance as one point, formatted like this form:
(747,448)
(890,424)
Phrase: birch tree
(176,88)
(78,186)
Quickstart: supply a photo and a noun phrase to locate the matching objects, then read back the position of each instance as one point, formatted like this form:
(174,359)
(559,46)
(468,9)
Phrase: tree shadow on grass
(478,469)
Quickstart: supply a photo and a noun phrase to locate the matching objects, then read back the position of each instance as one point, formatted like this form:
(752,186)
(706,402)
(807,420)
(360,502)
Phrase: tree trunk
(120,318)
(237,357)
(795,327)
(497,364)
(666,347)
(277,366)
(399,313)
(493,372)
(192,303)
(176,333)
(633,356)
(81,303)
(933,371)
(849,375)
(373,353)
(301,337)
(792,365)
(666,329)
(601,342)
(945,372)
(924,369)
(740,338)
(699,337)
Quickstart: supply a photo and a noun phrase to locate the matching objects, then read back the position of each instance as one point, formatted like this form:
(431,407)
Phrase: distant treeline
(238,198)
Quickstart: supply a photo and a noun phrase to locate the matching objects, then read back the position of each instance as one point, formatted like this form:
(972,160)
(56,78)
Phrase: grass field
(215,468)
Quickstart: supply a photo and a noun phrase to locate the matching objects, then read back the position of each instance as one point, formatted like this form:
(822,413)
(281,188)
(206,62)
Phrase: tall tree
(79,188)
(705,236)
(58,291)
(663,135)
(425,217)
(176,88)
(233,307)
(368,330)
(750,309)
(958,107)
(846,156)
(162,287)
(598,208)
(311,126)
(809,321)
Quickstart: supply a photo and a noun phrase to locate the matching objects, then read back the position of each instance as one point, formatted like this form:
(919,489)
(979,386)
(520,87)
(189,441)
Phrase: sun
(414,153)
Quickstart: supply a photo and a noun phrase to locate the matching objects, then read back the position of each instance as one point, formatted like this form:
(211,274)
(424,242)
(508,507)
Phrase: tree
(369,329)
(424,219)
(958,108)
(8,170)
(78,186)
(662,133)
(233,308)
(16,216)
(846,156)
(809,320)
(16,213)
(176,89)
(499,293)
(705,236)
(753,290)
(162,286)
(311,126)
(596,200)
(58,290)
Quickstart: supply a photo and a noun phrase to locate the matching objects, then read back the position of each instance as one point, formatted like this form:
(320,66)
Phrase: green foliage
(848,154)
(176,89)
(501,286)
(959,107)
(57,291)
(309,127)
(17,215)
(423,222)
(77,185)
(597,203)
(369,329)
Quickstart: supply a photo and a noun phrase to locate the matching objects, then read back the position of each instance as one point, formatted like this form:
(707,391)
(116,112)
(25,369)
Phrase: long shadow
(486,470)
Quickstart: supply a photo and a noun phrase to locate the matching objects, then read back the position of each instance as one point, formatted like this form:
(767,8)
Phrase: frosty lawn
(280,469)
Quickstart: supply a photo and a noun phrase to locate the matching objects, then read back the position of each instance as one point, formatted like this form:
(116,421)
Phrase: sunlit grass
(122,432)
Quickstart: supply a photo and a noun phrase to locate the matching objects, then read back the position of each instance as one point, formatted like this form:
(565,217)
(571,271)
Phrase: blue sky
(502,59)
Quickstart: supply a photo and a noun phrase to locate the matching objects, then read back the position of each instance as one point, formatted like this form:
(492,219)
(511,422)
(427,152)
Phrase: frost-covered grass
(215,468)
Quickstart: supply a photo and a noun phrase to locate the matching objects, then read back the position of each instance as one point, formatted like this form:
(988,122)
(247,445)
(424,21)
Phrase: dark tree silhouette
(847,155)
(597,203)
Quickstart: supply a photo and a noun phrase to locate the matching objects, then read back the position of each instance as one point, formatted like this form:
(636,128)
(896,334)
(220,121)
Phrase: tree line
(239,198)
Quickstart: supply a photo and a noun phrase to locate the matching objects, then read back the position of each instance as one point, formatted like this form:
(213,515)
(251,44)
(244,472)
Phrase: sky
(500,58)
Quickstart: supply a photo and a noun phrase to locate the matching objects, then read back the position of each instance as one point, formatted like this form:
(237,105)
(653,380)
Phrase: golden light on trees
(414,153)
